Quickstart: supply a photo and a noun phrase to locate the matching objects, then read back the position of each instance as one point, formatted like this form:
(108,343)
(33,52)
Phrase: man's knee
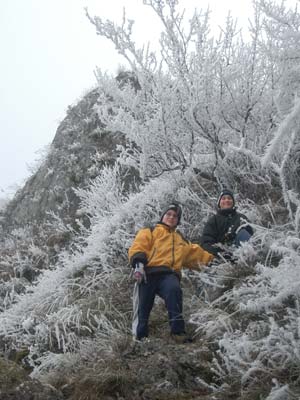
(175,291)
(172,285)
(242,236)
(172,293)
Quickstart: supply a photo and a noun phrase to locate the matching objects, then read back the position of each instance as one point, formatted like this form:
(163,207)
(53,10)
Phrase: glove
(137,259)
(139,273)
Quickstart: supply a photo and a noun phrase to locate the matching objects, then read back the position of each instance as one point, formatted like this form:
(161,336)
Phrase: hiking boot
(181,338)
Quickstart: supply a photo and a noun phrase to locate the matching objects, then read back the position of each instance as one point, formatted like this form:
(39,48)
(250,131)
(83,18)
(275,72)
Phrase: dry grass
(103,380)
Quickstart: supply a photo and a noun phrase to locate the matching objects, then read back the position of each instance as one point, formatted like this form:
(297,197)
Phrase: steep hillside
(201,115)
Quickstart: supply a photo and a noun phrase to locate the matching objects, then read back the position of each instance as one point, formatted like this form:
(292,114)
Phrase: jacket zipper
(173,251)
(152,255)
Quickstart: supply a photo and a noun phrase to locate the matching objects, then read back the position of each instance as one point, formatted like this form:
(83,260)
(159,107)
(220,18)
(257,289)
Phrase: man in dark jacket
(227,226)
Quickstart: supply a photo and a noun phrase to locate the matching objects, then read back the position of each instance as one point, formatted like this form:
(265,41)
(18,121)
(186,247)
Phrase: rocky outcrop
(79,150)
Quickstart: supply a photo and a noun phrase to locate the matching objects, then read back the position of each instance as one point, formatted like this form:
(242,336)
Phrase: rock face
(79,150)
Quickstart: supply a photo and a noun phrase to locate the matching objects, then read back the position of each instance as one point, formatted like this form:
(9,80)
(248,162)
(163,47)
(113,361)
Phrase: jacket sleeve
(196,256)
(209,237)
(140,247)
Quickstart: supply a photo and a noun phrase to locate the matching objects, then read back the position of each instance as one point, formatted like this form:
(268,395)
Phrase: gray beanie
(173,206)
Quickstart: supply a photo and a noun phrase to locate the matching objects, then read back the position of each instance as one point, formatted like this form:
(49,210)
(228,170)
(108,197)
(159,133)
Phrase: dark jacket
(222,228)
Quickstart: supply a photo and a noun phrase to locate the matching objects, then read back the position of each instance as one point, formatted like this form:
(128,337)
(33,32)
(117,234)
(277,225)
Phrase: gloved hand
(139,273)
(137,261)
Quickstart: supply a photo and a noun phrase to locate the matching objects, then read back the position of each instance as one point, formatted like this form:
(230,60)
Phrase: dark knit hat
(225,192)
(173,206)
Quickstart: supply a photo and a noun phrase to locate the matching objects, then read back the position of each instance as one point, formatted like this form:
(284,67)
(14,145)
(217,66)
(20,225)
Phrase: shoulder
(145,231)
(211,219)
(211,224)
(149,227)
(150,230)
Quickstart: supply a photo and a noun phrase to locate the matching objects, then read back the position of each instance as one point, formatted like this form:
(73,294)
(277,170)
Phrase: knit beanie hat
(225,192)
(173,206)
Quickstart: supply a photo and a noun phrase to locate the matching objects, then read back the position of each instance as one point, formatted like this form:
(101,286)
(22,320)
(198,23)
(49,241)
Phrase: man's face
(226,202)
(170,218)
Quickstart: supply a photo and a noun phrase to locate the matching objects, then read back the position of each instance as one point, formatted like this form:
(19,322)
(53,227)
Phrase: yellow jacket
(162,249)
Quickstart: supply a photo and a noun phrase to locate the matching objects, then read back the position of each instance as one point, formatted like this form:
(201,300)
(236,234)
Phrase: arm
(196,256)
(209,237)
(140,247)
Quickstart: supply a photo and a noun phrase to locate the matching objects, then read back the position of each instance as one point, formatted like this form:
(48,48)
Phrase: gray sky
(49,51)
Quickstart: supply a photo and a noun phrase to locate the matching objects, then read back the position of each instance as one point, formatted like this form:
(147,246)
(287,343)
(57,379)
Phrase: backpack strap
(182,236)
(151,228)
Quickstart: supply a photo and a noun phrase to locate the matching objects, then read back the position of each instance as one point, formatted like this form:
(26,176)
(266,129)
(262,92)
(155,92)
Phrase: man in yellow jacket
(157,255)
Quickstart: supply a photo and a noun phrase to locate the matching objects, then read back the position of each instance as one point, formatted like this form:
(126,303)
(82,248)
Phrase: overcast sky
(49,51)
